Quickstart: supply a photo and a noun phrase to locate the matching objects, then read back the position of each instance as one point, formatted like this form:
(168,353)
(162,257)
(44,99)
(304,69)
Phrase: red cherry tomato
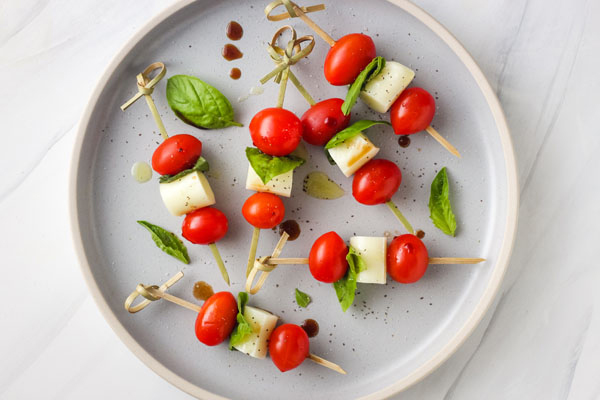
(327,258)
(348,57)
(216,318)
(412,112)
(288,346)
(323,120)
(176,154)
(276,131)
(376,182)
(407,259)
(263,210)
(204,226)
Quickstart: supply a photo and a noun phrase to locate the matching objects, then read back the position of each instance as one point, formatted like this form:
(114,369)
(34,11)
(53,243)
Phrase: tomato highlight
(327,259)
(276,131)
(376,182)
(288,346)
(412,112)
(348,57)
(323,120)
(176,154)
(263,210)
(407,259)
(216,318)
(205,226)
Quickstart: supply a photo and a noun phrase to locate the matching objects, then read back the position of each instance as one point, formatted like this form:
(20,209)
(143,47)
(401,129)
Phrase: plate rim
(486,300)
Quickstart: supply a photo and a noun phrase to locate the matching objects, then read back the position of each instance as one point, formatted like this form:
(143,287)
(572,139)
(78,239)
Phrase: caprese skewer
(366,260)
(183,186)
(220,317)
(277,132)
(352,60)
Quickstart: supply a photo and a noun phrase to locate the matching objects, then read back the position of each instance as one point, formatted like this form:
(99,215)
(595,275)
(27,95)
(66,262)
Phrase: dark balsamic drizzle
(291,227)
(234,31)
(311,327)
(231,52)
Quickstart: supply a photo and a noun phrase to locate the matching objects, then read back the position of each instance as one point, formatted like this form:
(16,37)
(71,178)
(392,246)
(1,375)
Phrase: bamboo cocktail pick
(153,293)
(145,85)
(432,260)
(284,58)
(266,265)
(295,11)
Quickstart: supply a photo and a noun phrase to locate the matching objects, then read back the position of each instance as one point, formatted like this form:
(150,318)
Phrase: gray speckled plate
(395,334)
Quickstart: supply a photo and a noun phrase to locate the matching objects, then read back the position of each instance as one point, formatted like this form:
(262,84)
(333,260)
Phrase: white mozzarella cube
(187,194)
(353,153)
(373,251)
(263,324)
(385,88)
(280,185)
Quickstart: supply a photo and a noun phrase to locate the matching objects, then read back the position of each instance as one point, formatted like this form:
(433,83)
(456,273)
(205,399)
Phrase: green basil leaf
(351,131)
(243,328)
(370,71)
(201,166)
(199,104)
(439,204)
(167,242)
(302,299)
(267,167)
(345,288)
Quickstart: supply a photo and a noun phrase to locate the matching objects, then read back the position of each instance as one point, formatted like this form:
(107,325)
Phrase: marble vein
(500,303)
(507,54)
(557,110)
(19,25)
(576,352)
(13,186)
(30,353)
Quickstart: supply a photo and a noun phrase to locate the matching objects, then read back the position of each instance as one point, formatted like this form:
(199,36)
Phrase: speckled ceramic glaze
(394,334)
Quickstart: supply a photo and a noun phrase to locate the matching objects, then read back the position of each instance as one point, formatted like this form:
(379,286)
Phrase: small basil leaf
(243,328)
(267,167)
(199,104)
(201,166)
(351,131)
(302,299)
(345,288)
(167,242)
(439,204)
(370,71)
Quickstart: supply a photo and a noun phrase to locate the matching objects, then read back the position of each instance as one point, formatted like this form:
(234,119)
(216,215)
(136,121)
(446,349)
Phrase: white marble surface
(540,341)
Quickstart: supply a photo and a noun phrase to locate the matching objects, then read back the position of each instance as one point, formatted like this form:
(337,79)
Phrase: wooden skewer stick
(398,214)
(145,88)
(252,253)
(129,302)
(442,141)
(258,264)
(286,261)
(432,260)
(455,260)
(328,364)
(324,35)
(220,263)
(169,297)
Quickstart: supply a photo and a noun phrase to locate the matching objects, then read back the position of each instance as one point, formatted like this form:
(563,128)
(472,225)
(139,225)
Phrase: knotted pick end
(140,290)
